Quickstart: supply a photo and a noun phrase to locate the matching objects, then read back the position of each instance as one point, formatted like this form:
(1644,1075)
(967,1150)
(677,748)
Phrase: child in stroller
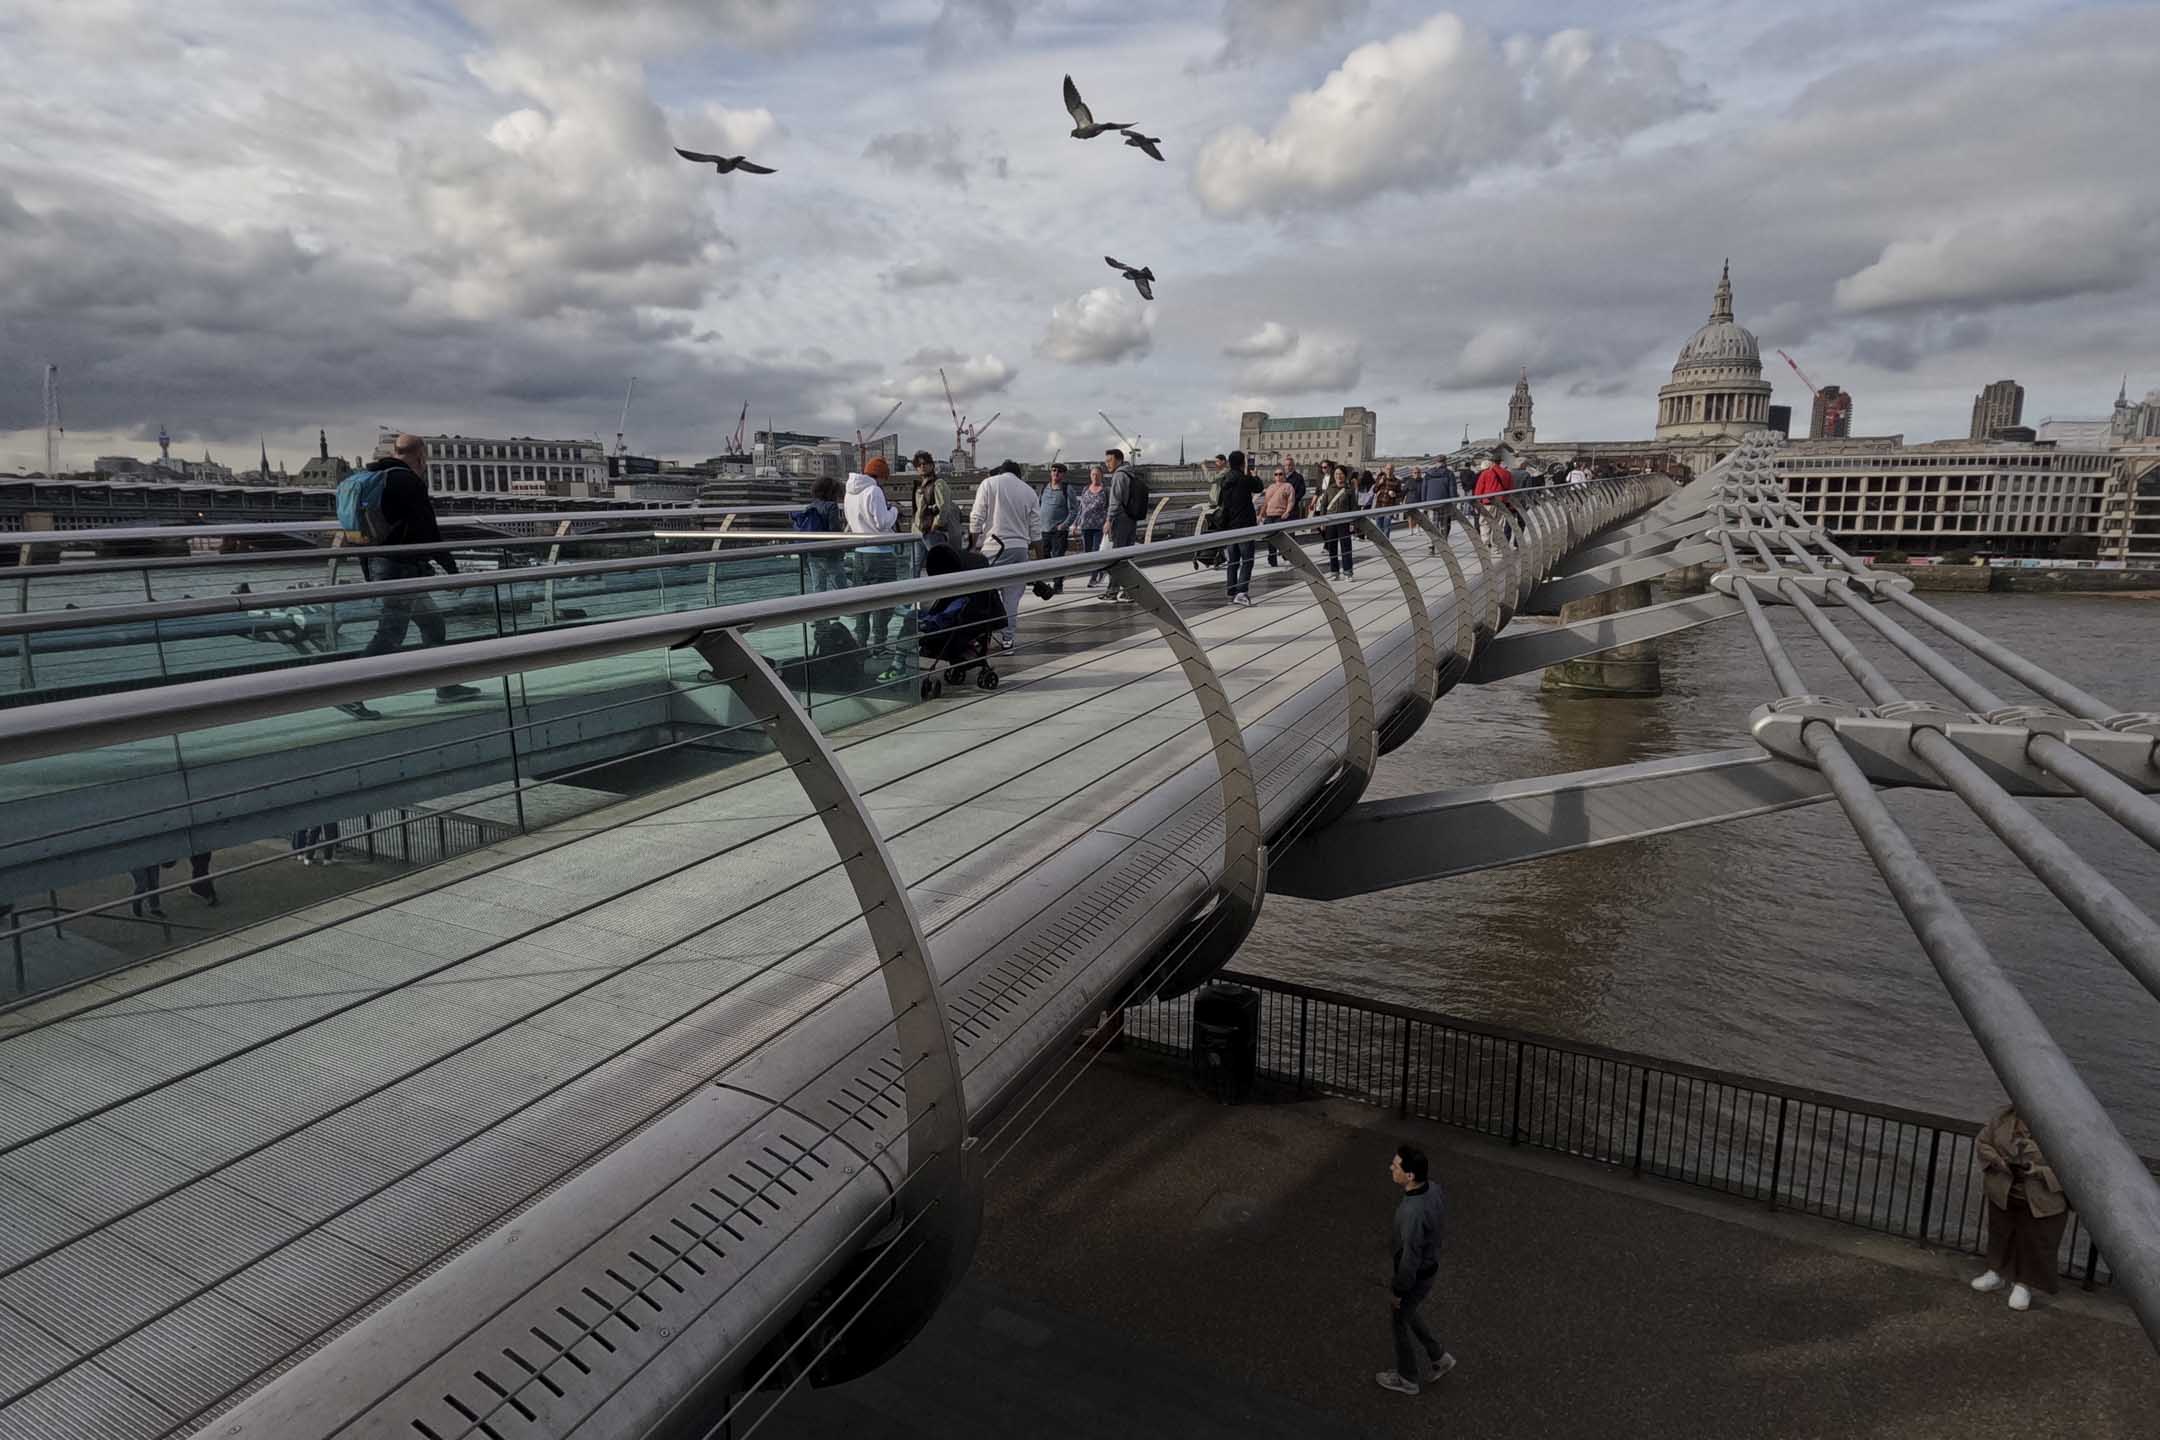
(954,634)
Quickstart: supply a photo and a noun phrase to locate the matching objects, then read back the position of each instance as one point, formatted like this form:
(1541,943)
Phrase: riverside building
(518,465)
(2001,498)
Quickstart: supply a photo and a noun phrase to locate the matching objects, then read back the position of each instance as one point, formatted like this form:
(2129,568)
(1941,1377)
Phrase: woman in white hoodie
(868,512)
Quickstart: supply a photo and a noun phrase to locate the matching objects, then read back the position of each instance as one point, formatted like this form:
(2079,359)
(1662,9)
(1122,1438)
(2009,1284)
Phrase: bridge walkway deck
(211,1160)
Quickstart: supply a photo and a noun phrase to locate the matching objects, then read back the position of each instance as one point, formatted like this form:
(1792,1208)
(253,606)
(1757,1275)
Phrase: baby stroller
(954,634)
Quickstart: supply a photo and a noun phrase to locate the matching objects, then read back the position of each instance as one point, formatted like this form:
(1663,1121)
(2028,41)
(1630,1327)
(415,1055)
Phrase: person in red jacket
(1494,479)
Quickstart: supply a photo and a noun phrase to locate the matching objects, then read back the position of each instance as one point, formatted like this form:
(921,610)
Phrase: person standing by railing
(1090,513)
(823,569)
(1279,503)
(1055,506)
(868,512)
(1439,484)
(1127,508)
(1492,481)
(1387,493)
(1420,1231)
(1234,511)
(2026,1210)
(1338,497)
(407,517)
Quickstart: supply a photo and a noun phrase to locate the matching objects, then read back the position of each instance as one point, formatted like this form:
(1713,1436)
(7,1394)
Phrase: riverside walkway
(1156,1263)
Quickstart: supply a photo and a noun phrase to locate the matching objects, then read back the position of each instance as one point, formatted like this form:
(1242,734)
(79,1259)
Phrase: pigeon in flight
(1141,278)
(1145,144)
(1084,126)
(723,163)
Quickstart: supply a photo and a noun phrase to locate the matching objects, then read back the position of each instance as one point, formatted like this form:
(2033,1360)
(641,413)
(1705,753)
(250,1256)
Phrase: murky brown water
(1767,946)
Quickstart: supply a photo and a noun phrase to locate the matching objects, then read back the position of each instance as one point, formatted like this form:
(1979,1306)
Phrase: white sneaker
(2020,1298)
(1988,1284)
(1241,599)
(1440,1367)
(1389,1380)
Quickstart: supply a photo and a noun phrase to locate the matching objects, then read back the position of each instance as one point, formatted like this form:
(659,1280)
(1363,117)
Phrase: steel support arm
(1383,844)
(1597,579)
(1530,650)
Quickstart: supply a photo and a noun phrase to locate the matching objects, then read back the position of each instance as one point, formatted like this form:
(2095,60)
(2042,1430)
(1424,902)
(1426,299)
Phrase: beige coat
(2011,1158)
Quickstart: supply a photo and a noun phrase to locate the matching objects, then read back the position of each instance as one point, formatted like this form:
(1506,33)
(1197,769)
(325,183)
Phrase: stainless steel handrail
(65,726)
(316,525)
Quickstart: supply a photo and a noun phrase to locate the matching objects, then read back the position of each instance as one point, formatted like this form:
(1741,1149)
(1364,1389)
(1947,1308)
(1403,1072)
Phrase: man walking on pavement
(1234,511)
(1494,479)
(1439,484)
(1006,523)
(1420,1227)
(407,518)
(1126,508)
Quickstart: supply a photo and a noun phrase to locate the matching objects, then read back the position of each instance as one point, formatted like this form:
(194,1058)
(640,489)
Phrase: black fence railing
(1900,1172)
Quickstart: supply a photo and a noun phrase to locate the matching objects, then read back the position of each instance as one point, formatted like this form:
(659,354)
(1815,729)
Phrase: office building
(1347,439)
(1989,497)
(1999,407)
(518,465)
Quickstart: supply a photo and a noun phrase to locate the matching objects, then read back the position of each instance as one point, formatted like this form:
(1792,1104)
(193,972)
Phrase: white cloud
(2003,259)
(651,27)
(933,152)
(1312,366)
(720,130)
(1497,354)
(1256,29)
(1100,327)
(1270,339)
(919,275)
(1432,105)
(982,375)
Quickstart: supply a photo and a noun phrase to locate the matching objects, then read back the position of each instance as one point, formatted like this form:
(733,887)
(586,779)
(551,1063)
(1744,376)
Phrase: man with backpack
(1128,507)
(822,569)
(1440,484)
(388,505)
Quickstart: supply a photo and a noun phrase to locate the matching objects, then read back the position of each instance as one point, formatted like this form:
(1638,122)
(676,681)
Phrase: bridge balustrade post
(1361,748)
(1425,681)
(1777,1151)
(1642,1115)
(1927,1190)
(950,1182)
(1304,1020)
(1244,882)
(1514,1127)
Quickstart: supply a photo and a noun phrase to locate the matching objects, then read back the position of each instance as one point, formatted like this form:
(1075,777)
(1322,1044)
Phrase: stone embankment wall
(2018,580)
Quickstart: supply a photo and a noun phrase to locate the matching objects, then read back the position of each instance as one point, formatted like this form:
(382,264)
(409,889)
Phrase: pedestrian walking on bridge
(1420,1229)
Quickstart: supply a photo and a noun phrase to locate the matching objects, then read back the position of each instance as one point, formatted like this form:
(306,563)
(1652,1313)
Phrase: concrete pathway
(1245,1248)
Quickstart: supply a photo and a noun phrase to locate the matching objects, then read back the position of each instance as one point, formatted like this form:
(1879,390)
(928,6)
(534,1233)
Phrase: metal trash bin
(1226,1040)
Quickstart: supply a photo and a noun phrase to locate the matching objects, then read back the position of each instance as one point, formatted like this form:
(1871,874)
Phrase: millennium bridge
(677,1074)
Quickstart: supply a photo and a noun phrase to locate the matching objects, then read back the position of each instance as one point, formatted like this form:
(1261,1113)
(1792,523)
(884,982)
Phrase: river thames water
(1766,946)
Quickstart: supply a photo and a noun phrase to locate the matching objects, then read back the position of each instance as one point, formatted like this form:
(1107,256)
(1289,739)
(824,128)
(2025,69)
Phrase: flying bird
(1084,126)
(724,163)
(1141,278)
(1145,144)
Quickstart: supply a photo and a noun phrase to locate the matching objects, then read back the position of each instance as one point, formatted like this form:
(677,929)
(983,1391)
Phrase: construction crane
(965,434)
(1132,446)
(53,428)
(862,446)
(1840,404)
(622,449)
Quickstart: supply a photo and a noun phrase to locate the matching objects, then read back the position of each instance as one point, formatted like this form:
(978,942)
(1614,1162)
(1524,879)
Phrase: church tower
(1520,430)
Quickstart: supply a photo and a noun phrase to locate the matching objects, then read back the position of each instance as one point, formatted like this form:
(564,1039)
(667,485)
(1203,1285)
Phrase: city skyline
(482,229)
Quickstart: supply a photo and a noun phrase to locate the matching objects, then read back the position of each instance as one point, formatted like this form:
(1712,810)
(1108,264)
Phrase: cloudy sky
(256,217)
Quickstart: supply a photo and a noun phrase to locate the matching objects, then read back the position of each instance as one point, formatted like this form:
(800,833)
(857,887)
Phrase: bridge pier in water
(1624,670)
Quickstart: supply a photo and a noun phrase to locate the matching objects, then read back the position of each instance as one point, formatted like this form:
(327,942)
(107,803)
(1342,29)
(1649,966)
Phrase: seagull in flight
(723,163)
(1141,278)
(1145,144)
(1084,126)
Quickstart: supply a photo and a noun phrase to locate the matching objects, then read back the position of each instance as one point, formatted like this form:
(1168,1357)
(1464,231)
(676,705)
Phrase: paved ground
(1157,1264)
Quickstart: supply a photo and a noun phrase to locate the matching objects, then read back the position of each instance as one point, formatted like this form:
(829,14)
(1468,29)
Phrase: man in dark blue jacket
(408,518)
(1440,484)
(1420,1227)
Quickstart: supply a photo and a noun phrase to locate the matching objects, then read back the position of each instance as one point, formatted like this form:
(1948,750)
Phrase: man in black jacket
(1234,511)
(1420,1226)
(408,518)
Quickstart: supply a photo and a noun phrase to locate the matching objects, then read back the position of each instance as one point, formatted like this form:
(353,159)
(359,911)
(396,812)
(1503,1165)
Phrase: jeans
(1009,595)
(827,571)
(1338,549)
(874,567)
(324,835)
(1237,566)
(1410,1325)
(1054,546)
(401,612)
(1090,542)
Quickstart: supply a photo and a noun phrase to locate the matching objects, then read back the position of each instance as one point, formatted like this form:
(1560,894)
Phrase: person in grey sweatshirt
(1420,1228)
